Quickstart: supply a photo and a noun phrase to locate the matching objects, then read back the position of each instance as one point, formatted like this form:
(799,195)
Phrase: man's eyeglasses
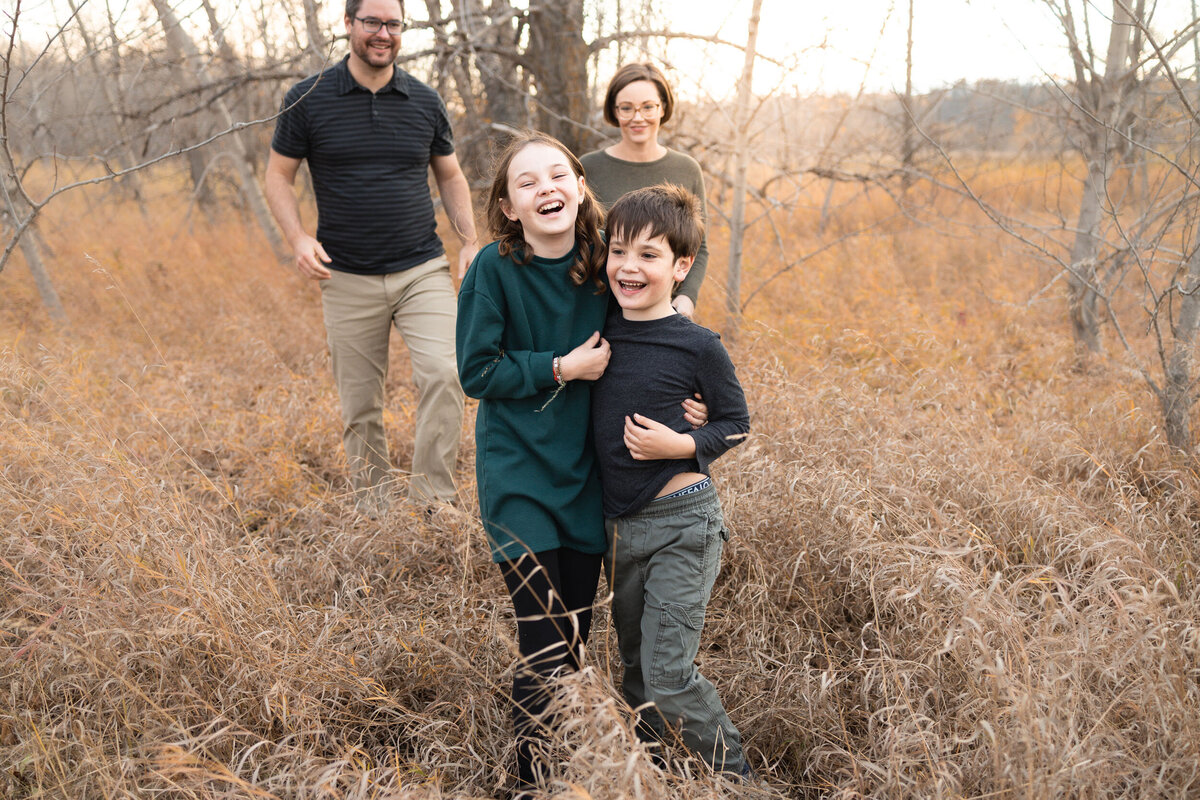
(372,25)
(647,110)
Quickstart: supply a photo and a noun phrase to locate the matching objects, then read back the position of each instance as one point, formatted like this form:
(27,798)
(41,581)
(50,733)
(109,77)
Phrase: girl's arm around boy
(489,369)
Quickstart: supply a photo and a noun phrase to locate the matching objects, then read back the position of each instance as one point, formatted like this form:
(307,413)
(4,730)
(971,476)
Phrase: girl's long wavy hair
(589,264)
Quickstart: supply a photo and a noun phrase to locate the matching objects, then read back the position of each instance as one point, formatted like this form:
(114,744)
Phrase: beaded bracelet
(556,370)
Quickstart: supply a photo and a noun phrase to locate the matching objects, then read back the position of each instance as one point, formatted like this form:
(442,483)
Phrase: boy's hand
(648,440)
(695,411)
(586,362)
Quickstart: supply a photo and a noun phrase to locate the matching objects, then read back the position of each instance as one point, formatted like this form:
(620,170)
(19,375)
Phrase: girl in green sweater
(530,312)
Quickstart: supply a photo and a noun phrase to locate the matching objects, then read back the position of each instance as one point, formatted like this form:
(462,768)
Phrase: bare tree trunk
(1178,392)
(18,209)
(741,149)
(185,48)
(1102,101)
(1196,51)
(41,278)
(909,146)
(1177,395)
(560,57)
(620,42)
(317,50)
(472,155)
(1083,302)
(110,93)
(506,104)
(483,61)
(188,60)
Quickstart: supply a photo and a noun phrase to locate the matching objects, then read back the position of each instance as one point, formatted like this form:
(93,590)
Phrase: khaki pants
(359,312)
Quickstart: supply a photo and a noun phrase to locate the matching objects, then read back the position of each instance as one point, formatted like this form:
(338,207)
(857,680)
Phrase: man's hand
(311,258)
(648,440)
(466,254)
(456,199)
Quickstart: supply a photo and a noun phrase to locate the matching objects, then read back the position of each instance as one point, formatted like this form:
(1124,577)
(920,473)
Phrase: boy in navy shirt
(664,520)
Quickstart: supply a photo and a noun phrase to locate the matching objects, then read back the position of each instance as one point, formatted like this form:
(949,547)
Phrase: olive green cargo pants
(661,566)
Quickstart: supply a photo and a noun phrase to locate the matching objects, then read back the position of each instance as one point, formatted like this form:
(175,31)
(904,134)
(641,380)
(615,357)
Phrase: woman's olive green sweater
(611,177)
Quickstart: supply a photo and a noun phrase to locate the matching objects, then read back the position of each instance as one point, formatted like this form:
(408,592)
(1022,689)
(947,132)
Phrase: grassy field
(960,568)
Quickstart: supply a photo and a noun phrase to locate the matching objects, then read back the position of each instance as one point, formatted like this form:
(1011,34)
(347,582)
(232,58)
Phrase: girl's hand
(695,412)
(648,440)
(586,362)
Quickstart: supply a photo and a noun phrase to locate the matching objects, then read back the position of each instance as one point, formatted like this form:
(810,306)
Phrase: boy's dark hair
(589,264)
(352,7)
(631,73)
(664,210)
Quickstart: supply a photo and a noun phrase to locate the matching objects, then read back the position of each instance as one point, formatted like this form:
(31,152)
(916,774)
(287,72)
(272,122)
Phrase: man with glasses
(371,132)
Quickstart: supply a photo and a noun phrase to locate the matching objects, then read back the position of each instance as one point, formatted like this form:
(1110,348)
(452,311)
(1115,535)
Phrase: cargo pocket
(676,645)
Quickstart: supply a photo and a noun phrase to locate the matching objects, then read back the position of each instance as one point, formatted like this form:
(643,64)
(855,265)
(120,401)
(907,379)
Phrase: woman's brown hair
(593,253)
(631,73)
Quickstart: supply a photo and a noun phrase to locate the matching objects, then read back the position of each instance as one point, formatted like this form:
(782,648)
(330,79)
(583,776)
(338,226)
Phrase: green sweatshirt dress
(535,464)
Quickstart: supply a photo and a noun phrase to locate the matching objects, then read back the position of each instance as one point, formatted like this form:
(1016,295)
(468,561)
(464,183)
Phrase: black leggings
(552,593)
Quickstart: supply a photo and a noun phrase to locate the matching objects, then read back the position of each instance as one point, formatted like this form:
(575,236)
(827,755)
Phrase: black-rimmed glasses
(372,25)
(647,110)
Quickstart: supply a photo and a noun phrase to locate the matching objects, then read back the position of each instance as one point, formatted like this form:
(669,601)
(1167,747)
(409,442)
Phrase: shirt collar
(347,84)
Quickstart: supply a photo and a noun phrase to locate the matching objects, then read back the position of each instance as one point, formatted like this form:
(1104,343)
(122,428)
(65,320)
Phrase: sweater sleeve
(729,419)
(485,368)
(691,284)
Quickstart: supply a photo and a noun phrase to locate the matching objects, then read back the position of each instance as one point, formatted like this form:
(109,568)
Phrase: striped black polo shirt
(369,157)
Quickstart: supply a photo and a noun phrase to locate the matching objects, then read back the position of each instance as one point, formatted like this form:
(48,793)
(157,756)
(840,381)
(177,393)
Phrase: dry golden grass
(960,570)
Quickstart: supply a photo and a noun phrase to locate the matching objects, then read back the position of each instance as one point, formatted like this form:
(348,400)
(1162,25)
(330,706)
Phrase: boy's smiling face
(642,271)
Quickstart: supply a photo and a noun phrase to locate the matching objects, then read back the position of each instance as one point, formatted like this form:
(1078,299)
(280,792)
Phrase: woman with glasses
(638,101)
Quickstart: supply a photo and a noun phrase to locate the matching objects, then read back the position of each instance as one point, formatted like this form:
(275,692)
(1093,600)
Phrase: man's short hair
(665,210)
(352,7)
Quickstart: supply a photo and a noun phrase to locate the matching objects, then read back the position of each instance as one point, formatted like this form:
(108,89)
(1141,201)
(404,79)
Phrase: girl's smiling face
(544,194)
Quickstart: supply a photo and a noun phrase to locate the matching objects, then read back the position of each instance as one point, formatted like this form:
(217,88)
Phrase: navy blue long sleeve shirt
(655,366)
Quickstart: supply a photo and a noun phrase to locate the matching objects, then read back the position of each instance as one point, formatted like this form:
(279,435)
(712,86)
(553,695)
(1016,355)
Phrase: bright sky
(826,46)
(953,40)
